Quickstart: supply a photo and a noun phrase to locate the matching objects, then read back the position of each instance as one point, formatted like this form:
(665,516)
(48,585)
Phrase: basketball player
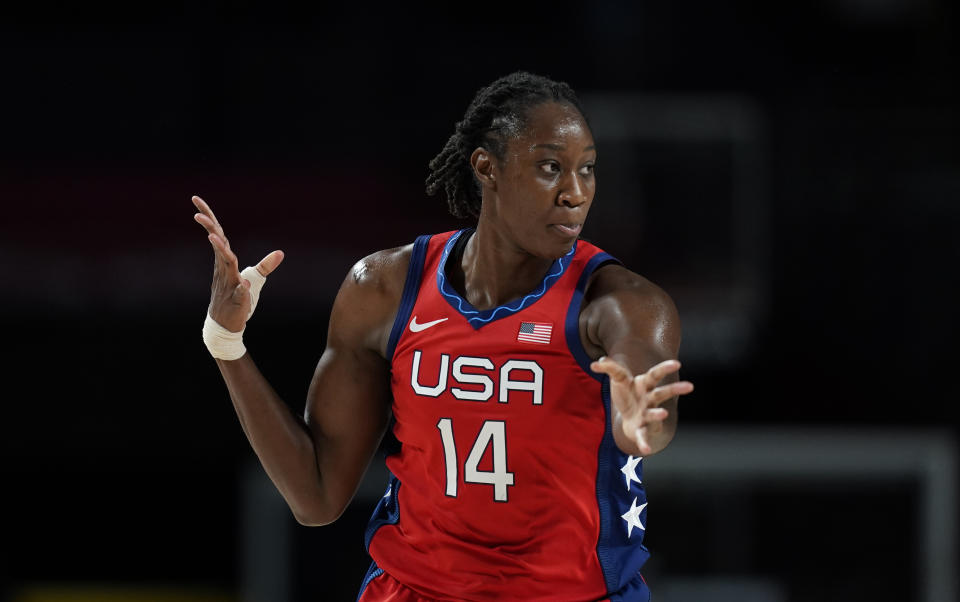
(523,372)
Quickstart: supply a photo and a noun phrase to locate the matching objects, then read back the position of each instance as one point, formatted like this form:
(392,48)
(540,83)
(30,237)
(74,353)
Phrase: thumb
(240,292)
(270,263)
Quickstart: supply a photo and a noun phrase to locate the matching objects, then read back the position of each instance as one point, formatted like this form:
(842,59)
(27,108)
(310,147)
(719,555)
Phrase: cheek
(529,197)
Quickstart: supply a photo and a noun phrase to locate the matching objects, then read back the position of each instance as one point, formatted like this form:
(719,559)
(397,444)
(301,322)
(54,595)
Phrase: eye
(550,167)
(587,170)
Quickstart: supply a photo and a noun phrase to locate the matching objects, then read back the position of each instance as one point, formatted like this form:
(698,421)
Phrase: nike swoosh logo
(414,327)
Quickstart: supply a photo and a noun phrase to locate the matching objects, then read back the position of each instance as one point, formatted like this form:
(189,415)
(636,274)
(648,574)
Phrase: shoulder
(619,302)
(369,297)
(615,284)
(380,273)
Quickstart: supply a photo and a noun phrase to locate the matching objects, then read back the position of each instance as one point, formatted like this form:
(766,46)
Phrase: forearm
(316,462)
(278,437)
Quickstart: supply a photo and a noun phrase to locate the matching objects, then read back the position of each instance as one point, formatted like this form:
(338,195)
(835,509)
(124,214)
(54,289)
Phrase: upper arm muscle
(627,317)
(348,405)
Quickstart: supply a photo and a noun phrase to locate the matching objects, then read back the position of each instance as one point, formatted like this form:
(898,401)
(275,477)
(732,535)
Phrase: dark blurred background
(788,172)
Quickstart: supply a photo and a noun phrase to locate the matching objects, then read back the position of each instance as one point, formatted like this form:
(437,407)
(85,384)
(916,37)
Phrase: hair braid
(497,112)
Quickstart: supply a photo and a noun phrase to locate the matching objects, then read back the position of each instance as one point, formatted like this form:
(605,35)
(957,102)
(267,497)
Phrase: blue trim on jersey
(477,318)
(572,322)
(620,555)
(372,573)
(604,472)
(634,591)
(410,289)
(621,552)
(387,511)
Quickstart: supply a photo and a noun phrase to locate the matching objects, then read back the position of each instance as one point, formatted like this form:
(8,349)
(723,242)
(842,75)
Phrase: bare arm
(315,462)
(631,327)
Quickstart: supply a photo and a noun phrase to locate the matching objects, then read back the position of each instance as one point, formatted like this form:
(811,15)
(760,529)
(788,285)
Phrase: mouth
(568,229)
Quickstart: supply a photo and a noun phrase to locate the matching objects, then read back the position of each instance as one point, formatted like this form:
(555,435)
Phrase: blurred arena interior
(788,172)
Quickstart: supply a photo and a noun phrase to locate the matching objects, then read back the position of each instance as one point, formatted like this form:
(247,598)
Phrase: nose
(573,192)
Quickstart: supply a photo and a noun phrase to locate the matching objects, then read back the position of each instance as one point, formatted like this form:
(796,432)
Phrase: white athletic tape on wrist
(222,343)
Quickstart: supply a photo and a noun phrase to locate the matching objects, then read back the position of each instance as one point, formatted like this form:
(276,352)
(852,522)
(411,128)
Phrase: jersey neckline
(478,318)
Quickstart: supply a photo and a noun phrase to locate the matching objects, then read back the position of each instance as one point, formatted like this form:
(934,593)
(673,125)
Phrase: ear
(483,163)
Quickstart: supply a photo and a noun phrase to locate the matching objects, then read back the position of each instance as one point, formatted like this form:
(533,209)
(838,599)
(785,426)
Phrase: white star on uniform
(632,516)
(629,470)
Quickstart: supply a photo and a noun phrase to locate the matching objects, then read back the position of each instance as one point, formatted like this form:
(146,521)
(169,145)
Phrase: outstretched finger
(211,228)
(661,394)
(615,370)
(642,444)
(224,254)
(652,377)
(211,223)
(655,415)
(270,262)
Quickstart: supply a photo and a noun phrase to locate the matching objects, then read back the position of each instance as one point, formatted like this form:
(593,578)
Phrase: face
(543,187)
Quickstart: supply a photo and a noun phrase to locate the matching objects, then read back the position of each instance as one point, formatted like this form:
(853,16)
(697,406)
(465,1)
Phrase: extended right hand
(229,293)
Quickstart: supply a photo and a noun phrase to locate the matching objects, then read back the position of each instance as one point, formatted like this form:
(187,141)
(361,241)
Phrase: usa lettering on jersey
(485,378)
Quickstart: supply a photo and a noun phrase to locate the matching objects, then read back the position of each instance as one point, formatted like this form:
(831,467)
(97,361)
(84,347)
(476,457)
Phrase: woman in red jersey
(523,371)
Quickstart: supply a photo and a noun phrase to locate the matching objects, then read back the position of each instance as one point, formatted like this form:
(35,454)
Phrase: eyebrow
(559,147)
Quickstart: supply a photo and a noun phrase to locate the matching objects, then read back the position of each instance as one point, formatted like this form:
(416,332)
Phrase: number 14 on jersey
(492,434)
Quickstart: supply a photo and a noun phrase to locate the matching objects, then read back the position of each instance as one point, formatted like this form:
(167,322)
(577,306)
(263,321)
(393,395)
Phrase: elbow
(315,515)
(314,506)
(311,520)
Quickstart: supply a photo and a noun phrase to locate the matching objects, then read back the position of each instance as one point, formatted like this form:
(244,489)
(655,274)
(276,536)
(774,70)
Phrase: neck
(493,270)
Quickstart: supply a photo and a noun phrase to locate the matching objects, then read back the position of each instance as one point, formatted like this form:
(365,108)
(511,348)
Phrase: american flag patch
(535,332)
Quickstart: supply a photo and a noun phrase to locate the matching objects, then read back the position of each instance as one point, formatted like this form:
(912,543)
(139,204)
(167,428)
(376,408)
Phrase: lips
(568,229)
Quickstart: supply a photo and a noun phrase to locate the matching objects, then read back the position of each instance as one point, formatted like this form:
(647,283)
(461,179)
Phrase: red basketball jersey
(507,483)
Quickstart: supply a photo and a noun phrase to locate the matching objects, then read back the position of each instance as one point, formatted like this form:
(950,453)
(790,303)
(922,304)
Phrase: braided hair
(497,112)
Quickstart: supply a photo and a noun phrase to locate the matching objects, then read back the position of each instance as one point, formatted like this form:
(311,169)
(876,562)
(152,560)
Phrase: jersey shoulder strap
(411,287)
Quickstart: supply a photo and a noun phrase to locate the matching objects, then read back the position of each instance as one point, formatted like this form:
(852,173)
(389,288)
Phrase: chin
(558,250)
(559,243)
